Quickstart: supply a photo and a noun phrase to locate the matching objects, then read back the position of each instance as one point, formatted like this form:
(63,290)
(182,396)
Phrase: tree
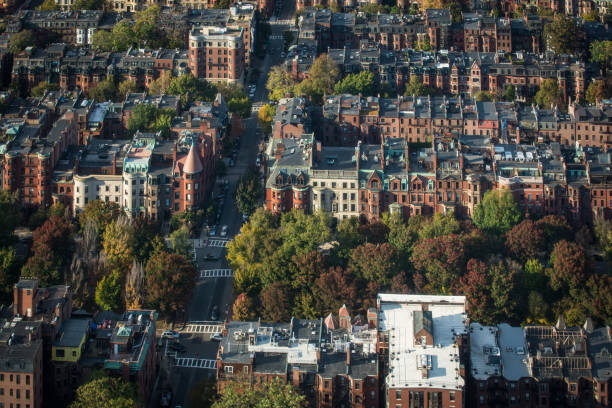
(240,106)
(306,268)
(103,91)
(537,307)
(323,76)
(555,228)
(52,249)
(510,93)
(123,36)
(591,16)
(43,87)
(265,116)
(335,288)
(9,273)
(273,395)
(170,282)
(161,84)
(280,84)
(48,5)
(561,34)
(105,392)
(503,277)
(497,213)
(244,308)
(101,213)
(88,5)
(116,241)
(603,233)
(103,40)
(374,232)
(135,287)
(549,94)
(569,266)
(399,283)
(108,292)
(374,263)
(248,192)
(360,83)
(275,305)
(21,40)
(597,91)
(10,216)
(475,285)
(179,242)
(197,89)
(601,52)
(484,96)
(126,87)
(348,237)
(534,277)
(525,240)
(441,259)
(439,225)
(416,88)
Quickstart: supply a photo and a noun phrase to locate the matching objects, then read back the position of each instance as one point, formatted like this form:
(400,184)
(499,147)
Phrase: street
(214,285)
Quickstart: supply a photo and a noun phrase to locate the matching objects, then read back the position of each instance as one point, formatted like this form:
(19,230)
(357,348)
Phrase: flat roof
(513,352)
(484,351)
(405,357)
(72,333)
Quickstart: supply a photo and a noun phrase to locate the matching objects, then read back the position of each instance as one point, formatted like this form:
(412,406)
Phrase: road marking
(218,243)
(196,363)
(216,273)
(203,328)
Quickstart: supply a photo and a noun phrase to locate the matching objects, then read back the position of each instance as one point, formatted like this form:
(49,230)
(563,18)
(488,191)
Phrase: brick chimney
(348,354)
(174,153)
(318,150)
(280,148)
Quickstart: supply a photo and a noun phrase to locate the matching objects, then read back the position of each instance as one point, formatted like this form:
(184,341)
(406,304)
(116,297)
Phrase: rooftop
(71,333)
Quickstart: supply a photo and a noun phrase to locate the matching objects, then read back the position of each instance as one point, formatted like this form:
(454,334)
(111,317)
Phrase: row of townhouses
(430,167)
(416,351)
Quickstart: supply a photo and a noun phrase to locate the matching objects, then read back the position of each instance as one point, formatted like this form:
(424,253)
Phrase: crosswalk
(218,243)
(276,37)
(196,363)
(216,273)
(203,328)
(282,22)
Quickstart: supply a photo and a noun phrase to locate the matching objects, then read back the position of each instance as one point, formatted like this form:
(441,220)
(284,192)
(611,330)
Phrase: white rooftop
(406,358)
(484,351)
(513,352)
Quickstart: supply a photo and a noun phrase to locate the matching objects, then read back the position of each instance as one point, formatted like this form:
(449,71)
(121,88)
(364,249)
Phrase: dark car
(211,257)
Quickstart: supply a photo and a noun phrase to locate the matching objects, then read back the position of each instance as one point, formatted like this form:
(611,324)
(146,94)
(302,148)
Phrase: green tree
(104,91)
(117,243)
(273,395)
(597,91)
(126,87)
(417,88)
(10,216)
(105,392)
(241,106)
(280,84)
(170,282)
(361,83)
(497,213)
(42,88)
(510,93)
(102,39)
(108,292)
(88,5)
(591,16)
(21,40)
(101,213)
(265,116)
(601,52)
(9,273)
(248,192)
(180,243)
(161,84)
(561,34)
(48,5)
(484,96)
(123,36)
(197,89)
(439,225)
(603,233)
(549,94)
(323,76)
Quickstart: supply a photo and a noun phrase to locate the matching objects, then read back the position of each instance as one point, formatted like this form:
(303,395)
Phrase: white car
(170,334)
(216,337)
(224,231)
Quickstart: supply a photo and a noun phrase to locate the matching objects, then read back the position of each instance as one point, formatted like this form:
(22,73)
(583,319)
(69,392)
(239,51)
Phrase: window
(452,395)
(229,369)
(398,395)
(59,353)
(18,378)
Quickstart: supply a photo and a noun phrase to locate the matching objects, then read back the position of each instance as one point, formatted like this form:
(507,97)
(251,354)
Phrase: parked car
(214,315)
(245,217)
(216,337)
(232,163)
(211,257)
(170,334)
(212,232)
(224,231)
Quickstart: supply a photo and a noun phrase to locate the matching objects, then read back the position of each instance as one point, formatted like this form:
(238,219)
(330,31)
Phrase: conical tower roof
(193,164)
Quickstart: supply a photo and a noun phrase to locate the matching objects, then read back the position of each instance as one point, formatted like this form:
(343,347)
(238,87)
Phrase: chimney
(114,170)
(296,377)
(280,148)
(318,150)
(358,155)
(348,354)
(174,153)
(407,156)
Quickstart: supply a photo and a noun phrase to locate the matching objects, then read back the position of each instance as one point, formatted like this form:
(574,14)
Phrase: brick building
(424,342)
(217,54)
(332,365)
